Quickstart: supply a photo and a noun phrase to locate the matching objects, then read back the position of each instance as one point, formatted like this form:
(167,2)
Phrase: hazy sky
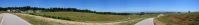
(110,5)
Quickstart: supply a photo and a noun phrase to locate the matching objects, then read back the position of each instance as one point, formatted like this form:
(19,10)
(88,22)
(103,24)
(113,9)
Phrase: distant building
(37,11)
(28,11)
(13,10)
(8,10)
(24,11)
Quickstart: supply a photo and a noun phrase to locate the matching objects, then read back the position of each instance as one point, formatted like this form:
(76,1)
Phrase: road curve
(10,19)
(148,21)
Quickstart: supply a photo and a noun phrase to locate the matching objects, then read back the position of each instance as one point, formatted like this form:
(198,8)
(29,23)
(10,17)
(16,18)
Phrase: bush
(32,13)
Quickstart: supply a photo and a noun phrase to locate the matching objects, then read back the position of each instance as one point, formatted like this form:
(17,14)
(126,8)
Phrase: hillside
(180,18)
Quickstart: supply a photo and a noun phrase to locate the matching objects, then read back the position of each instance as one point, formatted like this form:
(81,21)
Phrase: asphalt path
(10,19)
(146,22)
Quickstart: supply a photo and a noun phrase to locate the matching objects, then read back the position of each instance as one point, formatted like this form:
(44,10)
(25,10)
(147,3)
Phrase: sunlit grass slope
(37,21)
(180,18)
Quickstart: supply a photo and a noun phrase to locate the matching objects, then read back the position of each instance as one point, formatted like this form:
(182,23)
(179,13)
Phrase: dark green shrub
(32,13)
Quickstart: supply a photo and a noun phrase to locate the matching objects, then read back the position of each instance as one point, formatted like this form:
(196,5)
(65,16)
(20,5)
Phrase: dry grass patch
(38,21)
(180,18)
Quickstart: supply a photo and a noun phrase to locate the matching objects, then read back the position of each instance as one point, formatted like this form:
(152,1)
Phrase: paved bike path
(10,19)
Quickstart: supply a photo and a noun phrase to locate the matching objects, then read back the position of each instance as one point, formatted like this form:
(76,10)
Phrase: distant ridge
(153,12)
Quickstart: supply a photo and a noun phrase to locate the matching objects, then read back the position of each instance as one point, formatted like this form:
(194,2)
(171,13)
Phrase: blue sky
(110,5)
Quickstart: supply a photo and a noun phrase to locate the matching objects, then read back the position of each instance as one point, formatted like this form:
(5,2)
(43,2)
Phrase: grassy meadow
(37,21)
(34,20)
(85,17)
(3,12)
(180,18)
(81,16)
(92,17)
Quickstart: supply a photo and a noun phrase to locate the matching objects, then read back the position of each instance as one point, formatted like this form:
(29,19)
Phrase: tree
(1,8)
(141,13)
(188,11)
(178,12)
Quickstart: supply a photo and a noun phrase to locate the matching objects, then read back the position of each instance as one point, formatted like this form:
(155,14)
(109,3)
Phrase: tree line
(55,9)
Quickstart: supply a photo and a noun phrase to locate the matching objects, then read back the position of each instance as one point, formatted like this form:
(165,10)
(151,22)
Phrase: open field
(126,19)
(180,18)
(81,16)
(35,20)
(72,22)
(3,12)
(38,21)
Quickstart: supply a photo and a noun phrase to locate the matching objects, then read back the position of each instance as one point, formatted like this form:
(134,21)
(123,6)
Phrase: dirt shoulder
(156,22)
(1,15)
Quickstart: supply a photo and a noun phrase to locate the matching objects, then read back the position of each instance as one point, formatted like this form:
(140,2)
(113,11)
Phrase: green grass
(131,22)
(99,18)
(92,17)
(3,12)
(81,16)
(180,18)
(36,21)
(85,17)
